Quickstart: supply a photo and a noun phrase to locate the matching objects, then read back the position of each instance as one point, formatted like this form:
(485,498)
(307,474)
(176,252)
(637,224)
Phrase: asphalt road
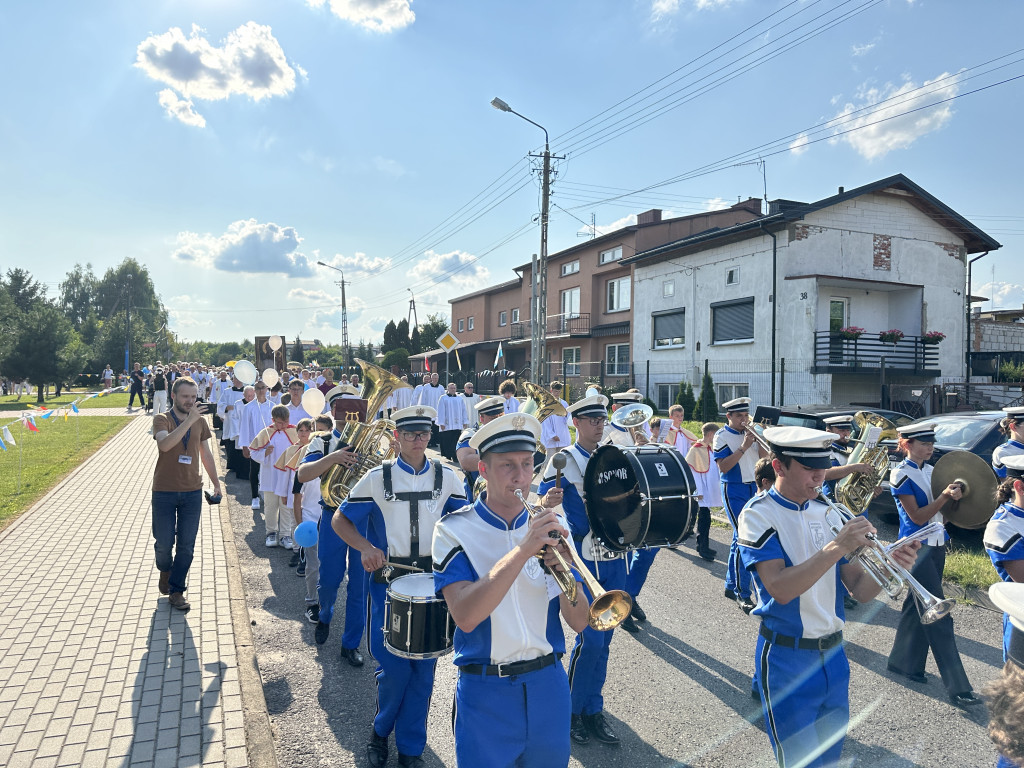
(677,694)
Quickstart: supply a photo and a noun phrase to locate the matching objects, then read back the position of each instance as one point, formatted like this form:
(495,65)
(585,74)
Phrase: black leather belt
(803,643)
(512,668)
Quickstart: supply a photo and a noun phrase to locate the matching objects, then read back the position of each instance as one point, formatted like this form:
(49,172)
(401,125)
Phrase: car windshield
(960,433)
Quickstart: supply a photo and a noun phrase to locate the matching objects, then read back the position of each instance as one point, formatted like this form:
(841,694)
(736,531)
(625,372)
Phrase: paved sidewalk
(95,668)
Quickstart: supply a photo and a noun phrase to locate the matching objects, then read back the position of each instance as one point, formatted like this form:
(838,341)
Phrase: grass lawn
(969,568)
(116,400)
(47,457)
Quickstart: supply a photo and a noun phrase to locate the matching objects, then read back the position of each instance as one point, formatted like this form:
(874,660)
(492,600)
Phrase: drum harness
(386,574)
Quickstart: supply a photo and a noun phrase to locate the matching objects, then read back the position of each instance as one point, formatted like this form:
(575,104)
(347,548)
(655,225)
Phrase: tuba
(856,491)
(540,403)
(371,440)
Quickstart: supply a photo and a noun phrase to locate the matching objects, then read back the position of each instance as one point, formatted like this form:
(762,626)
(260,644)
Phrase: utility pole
(346,350)
(128,329)
(411,317)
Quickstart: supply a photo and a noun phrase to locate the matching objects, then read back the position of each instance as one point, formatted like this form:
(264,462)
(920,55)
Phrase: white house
(887,255)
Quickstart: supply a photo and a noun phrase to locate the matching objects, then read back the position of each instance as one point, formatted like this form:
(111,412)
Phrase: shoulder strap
(438,478)
(389,489)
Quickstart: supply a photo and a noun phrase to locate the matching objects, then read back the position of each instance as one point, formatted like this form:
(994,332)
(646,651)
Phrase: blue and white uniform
(507,717)
(1009,448)
(470,476)
(336,557)
(398,508)
(1004,542)
(738,487)
(910,648)
(588,665)
(804,689)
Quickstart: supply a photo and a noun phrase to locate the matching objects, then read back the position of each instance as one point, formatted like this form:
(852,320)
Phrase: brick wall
(883,252)
(990,336)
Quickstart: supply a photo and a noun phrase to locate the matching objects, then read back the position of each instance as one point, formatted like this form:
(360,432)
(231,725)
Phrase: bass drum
(639,496)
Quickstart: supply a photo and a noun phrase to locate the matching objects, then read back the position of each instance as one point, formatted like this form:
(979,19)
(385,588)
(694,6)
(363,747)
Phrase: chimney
(652,216)
(841,190)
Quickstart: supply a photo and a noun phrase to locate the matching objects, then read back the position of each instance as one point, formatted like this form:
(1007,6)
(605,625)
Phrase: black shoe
(294,561)
(377,751)
(746,604)
(921,678)
(313,613)
(578,731)
(300,570)
(415,761)
(600,730)
(638,613)
(849,602)
(629,625)
(704,551)
(323,631)
(730,594)
(964,700)
(352,656)
(755,694)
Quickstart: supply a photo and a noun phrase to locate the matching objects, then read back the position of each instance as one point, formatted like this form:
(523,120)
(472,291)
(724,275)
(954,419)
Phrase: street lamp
(346,351)
(539,285)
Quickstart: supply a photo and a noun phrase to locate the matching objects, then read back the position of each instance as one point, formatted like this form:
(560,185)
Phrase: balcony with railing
(911,355)
(575,324)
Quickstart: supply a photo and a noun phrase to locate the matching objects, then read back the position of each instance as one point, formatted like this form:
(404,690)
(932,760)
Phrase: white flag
(7,436)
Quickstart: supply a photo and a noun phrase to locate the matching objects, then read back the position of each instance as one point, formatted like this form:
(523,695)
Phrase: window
(571,361)
(727,392)
(668,289)
(502,319)
(618,295)
(666,394)
(669,329)
(462,324)
(732,321)
(617,360)
(732,276)
(515,315)
(612,254)
(571,302)
(570,267)
(470,323)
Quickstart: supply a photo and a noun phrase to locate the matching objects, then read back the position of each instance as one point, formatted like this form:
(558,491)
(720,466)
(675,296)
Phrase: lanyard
(188,433)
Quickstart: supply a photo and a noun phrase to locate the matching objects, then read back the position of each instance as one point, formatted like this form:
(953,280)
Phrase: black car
(814,416)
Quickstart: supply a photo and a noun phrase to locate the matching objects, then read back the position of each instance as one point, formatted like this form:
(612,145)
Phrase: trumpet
(758,437)
(887,573)
(609,607)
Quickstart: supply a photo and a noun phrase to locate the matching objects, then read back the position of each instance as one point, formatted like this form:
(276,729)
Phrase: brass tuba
(371,440)
(541,404)
(855,491)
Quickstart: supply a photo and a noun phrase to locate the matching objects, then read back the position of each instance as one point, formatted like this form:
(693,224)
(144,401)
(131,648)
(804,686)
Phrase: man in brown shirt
(182,436)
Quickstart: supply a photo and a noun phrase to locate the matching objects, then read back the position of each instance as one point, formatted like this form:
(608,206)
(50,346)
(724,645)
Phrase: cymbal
(978,501)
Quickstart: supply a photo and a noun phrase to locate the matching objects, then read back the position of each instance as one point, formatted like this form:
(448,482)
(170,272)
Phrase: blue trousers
(404,686)
(735,495)
(588,665)
(520,721)
(806,702)
(335,556)
(175,527)
(639,566)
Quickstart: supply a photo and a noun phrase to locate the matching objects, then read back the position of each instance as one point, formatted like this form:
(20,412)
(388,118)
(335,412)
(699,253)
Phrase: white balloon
(275,342)
(270,377)
(246,372)
(313,402)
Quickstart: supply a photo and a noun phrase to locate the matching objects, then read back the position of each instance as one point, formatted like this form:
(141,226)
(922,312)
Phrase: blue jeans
(175,525)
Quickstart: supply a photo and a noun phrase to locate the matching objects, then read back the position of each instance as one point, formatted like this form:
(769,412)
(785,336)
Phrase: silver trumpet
(886,572)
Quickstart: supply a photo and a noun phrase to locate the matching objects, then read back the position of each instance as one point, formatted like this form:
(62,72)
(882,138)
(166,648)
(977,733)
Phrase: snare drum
(417,624)
(639,496)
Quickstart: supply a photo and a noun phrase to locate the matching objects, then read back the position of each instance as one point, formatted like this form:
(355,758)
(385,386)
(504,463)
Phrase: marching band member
(398,503)
(508,391)
(1005,702)
(736,463)
(613,433)
(512,701)
(554,433)
(451,420)
(1004,534)
(1012,426)
(708,482)
(469,460)
(588,666)
(911,486)
(842,428)
(326,451)
(798,564)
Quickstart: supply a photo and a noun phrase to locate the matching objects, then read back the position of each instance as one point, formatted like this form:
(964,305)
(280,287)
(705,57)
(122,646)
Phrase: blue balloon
(146,370)
(306,534)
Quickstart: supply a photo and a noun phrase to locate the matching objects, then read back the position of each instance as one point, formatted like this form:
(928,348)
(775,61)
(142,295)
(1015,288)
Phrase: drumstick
(558,462)
(389,564)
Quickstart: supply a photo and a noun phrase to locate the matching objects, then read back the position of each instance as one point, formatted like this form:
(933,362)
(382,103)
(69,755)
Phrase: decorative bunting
(8,437)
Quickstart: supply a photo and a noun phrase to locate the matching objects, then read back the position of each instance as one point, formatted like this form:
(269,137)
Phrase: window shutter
(734,320)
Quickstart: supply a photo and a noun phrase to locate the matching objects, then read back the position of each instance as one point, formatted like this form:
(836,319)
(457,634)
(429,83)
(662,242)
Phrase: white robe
(472,416)
(429,395)
(255,417)
(230,397)
(451,413)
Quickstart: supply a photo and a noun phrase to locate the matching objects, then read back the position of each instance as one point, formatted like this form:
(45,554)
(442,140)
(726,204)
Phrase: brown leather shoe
(165,582)
(177,600)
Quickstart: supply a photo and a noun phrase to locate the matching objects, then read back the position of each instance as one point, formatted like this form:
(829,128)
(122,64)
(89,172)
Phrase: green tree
(78,295)
(399,357)
(43,339)
(402,335)
(109,344)
(297,354)
(415,346)
(430,331)
(685,398)
(390,336)
(707,404)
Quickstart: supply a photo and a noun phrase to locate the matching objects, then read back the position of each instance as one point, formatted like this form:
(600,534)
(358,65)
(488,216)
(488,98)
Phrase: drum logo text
(662,471)
(608,474)
(396,622)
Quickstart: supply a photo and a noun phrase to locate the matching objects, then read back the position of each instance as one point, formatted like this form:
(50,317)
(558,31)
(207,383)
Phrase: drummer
(487,410)
(1012,426)
(512,701)
(736,462)
(589,662)
(398,503)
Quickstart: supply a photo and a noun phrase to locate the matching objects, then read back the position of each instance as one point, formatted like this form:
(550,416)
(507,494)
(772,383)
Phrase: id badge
(184,459)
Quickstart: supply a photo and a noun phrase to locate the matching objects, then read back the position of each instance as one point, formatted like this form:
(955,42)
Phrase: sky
(230,145)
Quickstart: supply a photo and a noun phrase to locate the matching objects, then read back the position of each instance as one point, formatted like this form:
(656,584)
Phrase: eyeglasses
(596,421)
(420,437)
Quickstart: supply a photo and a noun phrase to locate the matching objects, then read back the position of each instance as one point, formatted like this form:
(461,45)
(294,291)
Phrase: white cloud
(1001,295)
(662,8)
(320,297)
(875,139)
(799,145)
(247,246)
(359,265)
(604,229)
(862,50)
(375,15)
(703,5)
(432,269)
(323,162)
(249,63)
(388,166)
(181,109)
(716,204)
